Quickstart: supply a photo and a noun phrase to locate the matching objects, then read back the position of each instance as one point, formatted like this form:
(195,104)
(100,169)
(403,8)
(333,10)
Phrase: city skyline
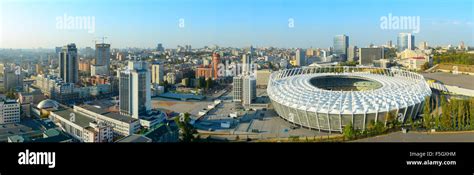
(284,23)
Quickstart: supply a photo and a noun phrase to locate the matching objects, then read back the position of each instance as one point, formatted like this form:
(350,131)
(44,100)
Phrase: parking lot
(261,124)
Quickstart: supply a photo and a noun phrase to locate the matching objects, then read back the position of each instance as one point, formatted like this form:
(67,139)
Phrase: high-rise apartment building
(157,73)
(134,92)
(69,64)
(405,41)
(300,57)
(341,43)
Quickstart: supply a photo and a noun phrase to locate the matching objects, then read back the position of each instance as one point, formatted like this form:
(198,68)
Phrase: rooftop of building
(135,138)
(105,112)
(60,137)
(52,135)
(17,138)
(79,119)
(9,101)
(51,132)
(120,117)
(460,80)
(156,133)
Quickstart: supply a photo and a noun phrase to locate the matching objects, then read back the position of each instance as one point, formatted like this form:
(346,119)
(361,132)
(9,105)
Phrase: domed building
(330,98)
(47,105)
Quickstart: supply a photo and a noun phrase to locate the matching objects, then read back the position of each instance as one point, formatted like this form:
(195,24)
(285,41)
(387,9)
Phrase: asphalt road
(422,137)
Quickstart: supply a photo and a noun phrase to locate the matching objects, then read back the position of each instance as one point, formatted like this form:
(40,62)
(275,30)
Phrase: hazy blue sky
(236,23)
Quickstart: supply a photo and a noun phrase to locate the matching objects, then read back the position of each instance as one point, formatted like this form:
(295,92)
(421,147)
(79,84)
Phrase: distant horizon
(220,46)
(33,24)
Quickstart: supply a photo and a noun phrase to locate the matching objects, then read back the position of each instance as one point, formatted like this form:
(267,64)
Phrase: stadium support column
(317,116)
(387,107)
(329,122)
(406,109)
(412,108)
(376,114)
(419,106)
(352,119)
(340,122)
(287,113)
(411,112)
(298,115)
(365,118)
(317,120)
(307,118)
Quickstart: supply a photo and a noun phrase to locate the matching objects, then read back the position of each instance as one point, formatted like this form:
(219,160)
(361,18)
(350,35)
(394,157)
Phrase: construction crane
(99,39)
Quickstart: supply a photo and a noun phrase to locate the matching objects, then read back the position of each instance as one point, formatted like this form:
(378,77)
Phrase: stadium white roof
(292,87)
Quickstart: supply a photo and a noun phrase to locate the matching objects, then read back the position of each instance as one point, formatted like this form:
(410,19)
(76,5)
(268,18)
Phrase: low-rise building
(263,77)
(81,127)
(122,125)
(9,112)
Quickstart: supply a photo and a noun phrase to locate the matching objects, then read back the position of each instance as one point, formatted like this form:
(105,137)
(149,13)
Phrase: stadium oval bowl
(329,98)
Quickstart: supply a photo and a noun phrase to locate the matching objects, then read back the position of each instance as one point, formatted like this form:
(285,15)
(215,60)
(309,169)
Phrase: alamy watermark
(66,22)
(233,70)
(291,23)
(391,22)
(37,158)
(181,23)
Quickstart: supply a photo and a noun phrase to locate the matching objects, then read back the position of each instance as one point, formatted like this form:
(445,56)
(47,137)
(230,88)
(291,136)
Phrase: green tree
(437,109)
(454,113)
(410,122)
(200,83)
(456,58)
(209,83)
(445,116)
(461,114)
(425,66)
(390,53)
(186,130)
(436,120)
(396,123)
(389,119)
(165,85)
(471,113)
(347,63)
(349,132)
(427,113)
(370,126)
(379,128)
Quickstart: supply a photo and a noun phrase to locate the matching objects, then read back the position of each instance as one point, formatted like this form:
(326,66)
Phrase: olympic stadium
(329,98)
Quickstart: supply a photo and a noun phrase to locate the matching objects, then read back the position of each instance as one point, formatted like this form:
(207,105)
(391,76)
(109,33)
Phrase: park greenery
(439,113)
(390,53)
(348,63)
(204,83)
(425,66)
(457,114)
(453,57)
(373,128)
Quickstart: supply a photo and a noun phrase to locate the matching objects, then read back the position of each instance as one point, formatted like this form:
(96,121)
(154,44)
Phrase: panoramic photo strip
(96,77)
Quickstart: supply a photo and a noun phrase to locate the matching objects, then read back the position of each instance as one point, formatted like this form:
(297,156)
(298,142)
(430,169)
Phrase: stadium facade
(329,98)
